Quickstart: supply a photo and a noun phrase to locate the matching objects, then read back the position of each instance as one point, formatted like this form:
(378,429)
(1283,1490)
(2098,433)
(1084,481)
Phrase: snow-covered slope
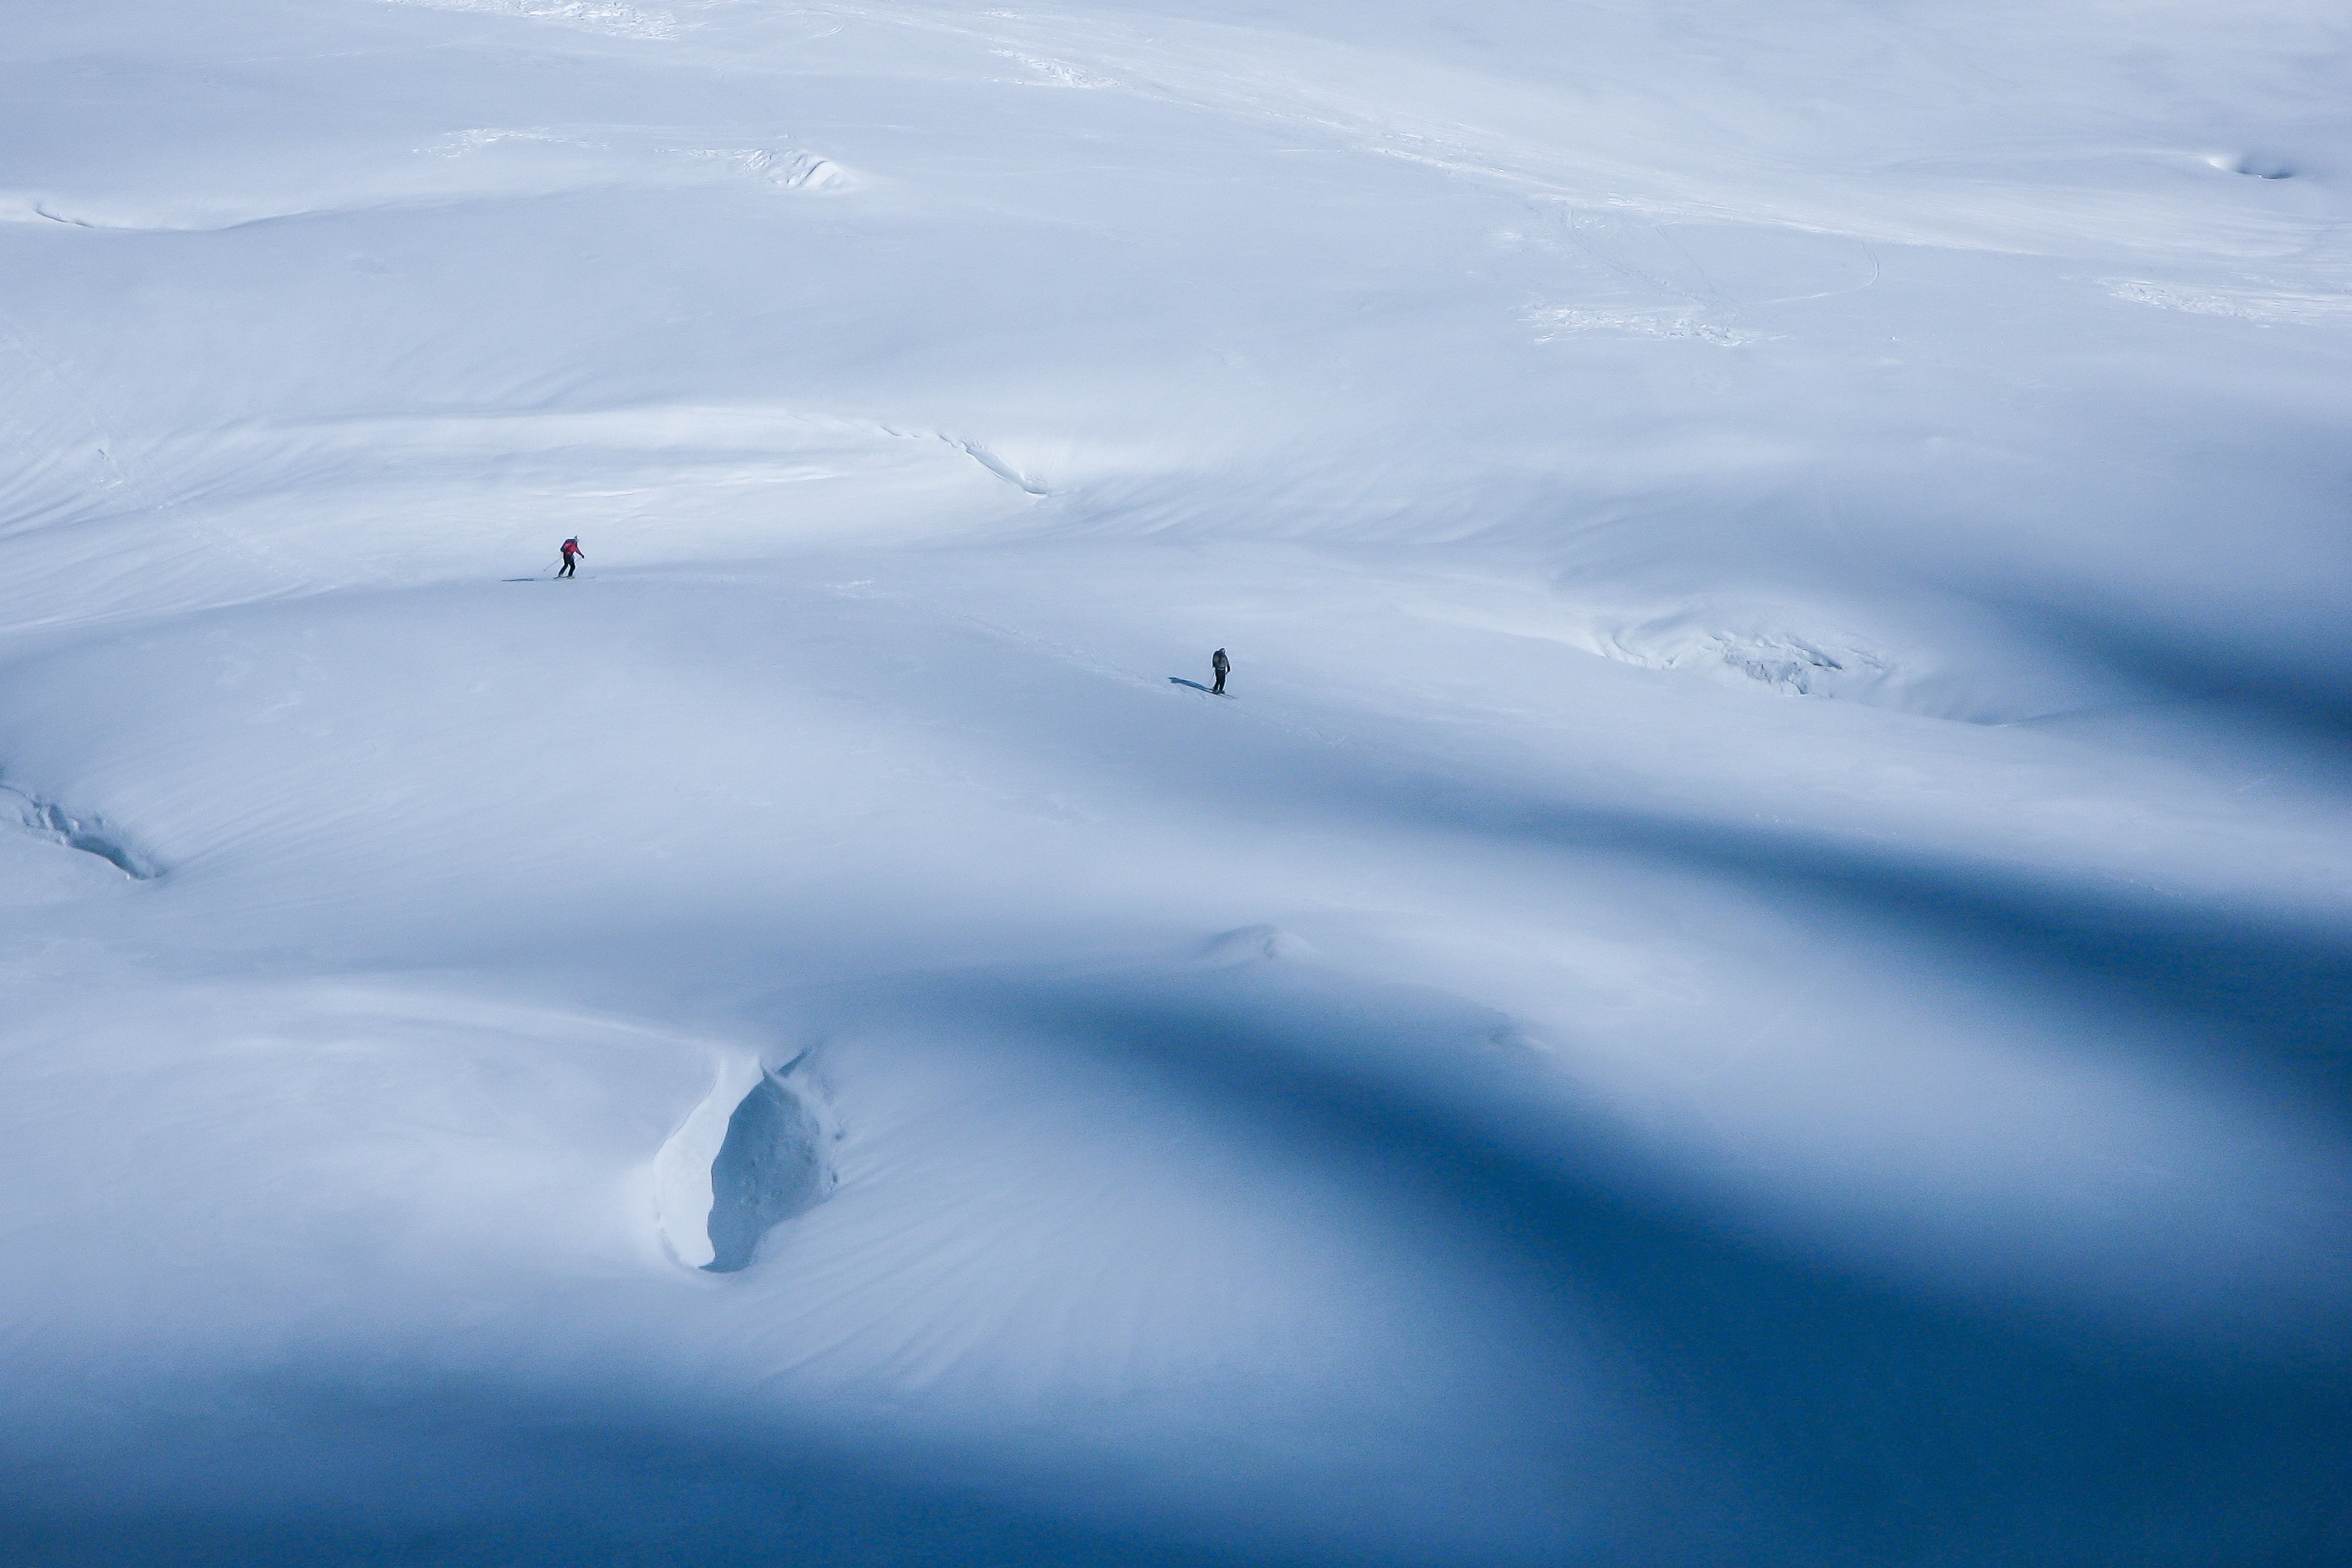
(1756,970)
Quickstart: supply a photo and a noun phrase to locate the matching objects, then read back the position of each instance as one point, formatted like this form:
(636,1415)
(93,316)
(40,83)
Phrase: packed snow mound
(1752,969)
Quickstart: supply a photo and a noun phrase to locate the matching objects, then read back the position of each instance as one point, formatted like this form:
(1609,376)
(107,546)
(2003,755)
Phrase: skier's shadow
(1180,680)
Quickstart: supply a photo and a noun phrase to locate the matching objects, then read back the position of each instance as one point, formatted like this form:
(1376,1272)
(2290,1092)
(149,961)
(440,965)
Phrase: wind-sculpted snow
(770,1167)
(1754,967)
(49,820)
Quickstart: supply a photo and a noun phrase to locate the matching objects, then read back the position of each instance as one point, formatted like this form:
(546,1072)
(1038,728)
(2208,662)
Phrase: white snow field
(1757,969)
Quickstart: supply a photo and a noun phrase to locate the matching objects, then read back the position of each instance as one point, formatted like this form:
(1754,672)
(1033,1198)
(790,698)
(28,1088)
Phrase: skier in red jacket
(572,553)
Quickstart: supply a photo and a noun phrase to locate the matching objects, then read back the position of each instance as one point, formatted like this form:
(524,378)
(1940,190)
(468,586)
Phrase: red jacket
(571,548)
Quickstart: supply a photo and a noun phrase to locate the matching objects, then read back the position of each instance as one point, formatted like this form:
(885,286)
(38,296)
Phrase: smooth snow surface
(1757,969)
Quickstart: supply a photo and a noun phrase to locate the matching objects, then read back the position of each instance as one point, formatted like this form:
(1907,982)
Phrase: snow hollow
(1753,967)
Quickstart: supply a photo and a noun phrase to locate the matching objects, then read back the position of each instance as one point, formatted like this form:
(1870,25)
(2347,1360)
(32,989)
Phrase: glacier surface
(1756,971)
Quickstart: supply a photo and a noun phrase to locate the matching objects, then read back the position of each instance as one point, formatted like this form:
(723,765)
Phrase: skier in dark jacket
(572,553)
(1220,663)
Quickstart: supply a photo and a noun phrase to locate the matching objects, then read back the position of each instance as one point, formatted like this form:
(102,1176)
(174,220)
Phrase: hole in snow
(770,1167)
(752,1155)
(89,835)
(2264,166)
